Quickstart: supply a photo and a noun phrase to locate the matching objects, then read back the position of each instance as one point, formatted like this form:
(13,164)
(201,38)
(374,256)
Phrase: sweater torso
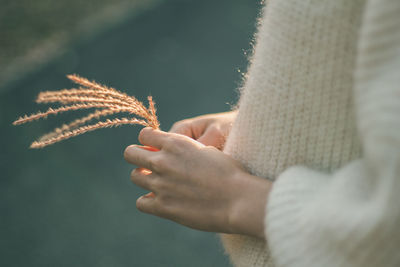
(296,106)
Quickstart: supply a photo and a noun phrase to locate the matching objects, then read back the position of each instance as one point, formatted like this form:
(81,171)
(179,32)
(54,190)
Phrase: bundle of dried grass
(108,101)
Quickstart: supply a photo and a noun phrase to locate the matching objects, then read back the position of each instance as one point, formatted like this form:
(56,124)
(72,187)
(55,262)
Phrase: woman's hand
(196,185)
(210,130)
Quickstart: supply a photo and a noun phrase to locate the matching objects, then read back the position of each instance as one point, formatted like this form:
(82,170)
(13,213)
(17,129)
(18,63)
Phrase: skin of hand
(210,130)
(196,185)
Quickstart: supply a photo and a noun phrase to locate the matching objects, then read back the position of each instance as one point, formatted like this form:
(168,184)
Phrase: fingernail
(150,194)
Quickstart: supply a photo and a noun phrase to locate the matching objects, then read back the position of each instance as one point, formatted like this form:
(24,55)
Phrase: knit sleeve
(350,217)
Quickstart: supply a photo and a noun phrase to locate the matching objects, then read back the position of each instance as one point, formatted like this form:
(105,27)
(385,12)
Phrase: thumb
(213,137)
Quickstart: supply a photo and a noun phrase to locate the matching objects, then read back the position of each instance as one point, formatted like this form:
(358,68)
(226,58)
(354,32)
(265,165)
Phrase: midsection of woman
(296,106)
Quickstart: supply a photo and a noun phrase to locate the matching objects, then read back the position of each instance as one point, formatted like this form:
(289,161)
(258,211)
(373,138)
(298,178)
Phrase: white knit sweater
(320,115)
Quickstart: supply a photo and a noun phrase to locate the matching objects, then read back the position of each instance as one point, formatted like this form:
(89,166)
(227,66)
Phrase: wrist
(247,211)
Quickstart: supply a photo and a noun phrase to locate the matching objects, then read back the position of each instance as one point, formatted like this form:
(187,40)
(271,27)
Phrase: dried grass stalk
(74,124)
(108,100)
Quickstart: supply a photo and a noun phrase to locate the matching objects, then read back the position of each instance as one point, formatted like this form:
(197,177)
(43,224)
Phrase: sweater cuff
(293,189)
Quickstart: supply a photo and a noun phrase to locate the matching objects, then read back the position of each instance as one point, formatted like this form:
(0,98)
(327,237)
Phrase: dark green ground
(72,204)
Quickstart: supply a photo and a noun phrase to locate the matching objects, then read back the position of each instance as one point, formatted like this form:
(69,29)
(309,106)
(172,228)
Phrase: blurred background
(72,203)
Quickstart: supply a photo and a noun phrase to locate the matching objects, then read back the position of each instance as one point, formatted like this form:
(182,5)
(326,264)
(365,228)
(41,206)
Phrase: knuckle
(135,176)
(157,163)
(165,200)
(183,143)
(170,143)
(177,145)
(156,184)
(160,186)
(215,130)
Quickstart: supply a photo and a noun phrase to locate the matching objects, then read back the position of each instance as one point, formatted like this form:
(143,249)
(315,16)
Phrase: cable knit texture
(323,85)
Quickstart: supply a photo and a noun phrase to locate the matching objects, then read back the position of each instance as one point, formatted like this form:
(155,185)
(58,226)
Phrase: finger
(143,178)
(150,148)
(148,204)
(150,194)
(151,137)
(208,140)
(139,156)
(212,138)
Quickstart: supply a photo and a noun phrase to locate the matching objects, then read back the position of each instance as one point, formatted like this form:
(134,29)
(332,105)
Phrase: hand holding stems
(197,185)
